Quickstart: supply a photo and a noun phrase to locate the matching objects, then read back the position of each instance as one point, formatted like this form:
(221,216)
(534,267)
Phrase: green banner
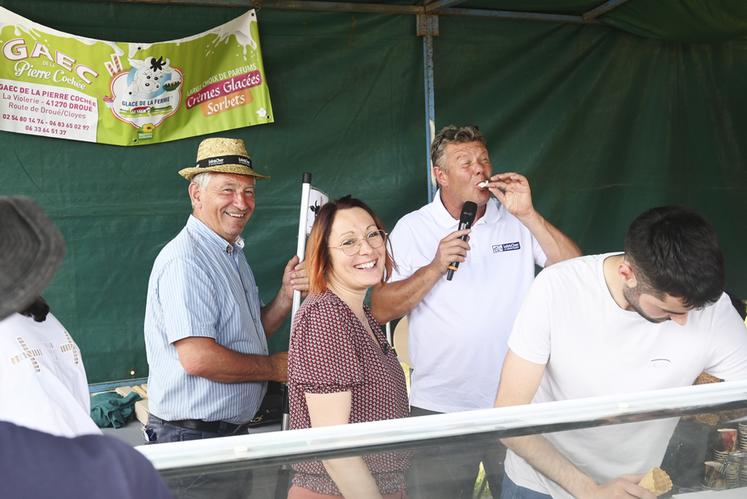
(65,86)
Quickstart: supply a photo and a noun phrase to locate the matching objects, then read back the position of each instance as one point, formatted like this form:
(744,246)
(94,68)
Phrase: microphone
(469,211)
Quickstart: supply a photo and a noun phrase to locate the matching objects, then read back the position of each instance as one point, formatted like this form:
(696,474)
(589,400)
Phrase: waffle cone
(657,481)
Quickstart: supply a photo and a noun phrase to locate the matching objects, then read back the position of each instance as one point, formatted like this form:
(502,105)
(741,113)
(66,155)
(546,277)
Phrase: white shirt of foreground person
(600,349)
(43,382)
(458,332)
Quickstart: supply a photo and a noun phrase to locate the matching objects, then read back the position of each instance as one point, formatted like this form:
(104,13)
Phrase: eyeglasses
(351,245)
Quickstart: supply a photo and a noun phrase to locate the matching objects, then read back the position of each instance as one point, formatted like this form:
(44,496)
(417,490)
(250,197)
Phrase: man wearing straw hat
(205,328)
(34,464)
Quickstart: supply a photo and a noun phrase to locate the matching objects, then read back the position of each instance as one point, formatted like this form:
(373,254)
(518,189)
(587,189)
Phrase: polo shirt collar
(493,212)
(207,234)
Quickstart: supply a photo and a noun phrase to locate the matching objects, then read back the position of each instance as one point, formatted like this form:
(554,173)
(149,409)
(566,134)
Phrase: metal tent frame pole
(427,28)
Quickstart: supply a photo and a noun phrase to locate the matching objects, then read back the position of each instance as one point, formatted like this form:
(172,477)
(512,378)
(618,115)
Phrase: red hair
(318,257)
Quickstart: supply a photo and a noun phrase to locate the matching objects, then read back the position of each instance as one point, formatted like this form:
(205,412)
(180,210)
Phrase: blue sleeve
(189,300)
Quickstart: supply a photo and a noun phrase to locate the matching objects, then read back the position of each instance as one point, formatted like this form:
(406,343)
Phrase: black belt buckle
(217,427)
(196,425)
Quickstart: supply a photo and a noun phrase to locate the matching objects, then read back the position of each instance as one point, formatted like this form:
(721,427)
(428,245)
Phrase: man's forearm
(545,458)
(205,358)
(274,314)
(556,245)
(393,300)
(249,368)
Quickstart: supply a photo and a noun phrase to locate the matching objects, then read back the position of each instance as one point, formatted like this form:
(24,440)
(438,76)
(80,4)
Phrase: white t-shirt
(458,332)
(43,383)
(592,347)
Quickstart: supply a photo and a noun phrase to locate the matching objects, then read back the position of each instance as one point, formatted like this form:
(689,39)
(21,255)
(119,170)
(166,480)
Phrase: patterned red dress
(330,352)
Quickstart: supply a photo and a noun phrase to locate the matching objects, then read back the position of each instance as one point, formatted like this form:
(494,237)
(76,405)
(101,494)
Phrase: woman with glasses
(340,367)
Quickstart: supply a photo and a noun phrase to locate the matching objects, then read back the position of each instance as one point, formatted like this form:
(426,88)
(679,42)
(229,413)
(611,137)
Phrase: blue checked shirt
(201,286)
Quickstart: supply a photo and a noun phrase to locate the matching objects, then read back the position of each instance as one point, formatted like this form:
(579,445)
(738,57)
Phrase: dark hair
(38,310)
(453,134)
(675,251)
(318,261)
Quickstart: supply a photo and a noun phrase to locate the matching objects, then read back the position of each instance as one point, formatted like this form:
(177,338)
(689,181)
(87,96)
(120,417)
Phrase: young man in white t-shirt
(458,329)
(650,318)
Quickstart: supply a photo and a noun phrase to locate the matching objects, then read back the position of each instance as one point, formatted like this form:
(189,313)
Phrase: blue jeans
(512,491)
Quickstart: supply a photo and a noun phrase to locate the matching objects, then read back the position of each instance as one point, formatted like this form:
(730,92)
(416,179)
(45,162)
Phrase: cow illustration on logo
(145,94)
(149,78)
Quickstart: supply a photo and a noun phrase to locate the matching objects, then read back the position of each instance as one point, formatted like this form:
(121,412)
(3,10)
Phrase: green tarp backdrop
(604,122)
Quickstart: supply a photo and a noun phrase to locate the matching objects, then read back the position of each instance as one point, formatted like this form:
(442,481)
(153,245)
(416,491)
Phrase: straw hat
(224,156)
(31,249)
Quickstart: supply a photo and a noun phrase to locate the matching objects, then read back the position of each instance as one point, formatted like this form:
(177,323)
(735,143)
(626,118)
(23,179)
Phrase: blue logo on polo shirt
(499,248)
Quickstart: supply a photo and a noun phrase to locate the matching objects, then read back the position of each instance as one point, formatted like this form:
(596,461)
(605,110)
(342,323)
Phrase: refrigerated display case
(701,460)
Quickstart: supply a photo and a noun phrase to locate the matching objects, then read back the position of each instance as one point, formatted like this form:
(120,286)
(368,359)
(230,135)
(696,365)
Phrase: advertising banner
(70,87)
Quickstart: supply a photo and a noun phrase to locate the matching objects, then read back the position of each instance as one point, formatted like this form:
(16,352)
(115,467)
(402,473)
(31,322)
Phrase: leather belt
(219,427)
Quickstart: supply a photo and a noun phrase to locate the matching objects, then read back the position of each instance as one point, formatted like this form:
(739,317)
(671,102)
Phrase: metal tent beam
(602,9)
(304,5)
(433,6)
(506,14)
(437,7)
(334,6)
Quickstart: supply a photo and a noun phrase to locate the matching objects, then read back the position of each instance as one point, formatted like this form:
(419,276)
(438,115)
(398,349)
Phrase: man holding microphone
(459,328)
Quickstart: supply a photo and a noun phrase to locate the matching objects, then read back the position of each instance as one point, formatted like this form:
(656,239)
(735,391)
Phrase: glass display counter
(704,456)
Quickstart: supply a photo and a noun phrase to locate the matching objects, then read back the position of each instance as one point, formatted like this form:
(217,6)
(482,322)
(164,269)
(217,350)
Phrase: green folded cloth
(112,409)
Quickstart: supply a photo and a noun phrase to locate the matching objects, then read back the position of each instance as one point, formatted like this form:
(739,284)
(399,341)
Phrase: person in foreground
(650,318)
(341,369)
(37,465)
(44,384)
(205,328)
(458,329)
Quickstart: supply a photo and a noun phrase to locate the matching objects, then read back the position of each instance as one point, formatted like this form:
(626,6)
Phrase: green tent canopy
(608,107)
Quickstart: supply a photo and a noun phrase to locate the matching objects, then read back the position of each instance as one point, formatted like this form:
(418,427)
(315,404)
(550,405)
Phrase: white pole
(301,243)
(300,251)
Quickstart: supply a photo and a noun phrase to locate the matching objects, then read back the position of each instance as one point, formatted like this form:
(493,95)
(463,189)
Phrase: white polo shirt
(459,331)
